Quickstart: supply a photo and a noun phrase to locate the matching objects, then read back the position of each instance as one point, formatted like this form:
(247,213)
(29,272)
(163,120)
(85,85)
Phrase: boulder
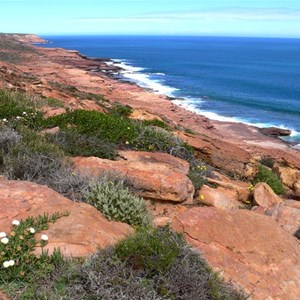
(156,176)
(221,154)
(287,214)
(275,131)
(238,190)
(290,177)
(79,234)
(264,196)
(250,249)
(218,197)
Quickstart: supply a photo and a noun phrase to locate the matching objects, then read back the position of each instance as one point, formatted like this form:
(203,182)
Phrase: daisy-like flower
(6,264)
(18,117)
(24,113)
(11,262)
(4,120)
(16,222)
(44,237)
(32,230)
(2,234)
(4,240)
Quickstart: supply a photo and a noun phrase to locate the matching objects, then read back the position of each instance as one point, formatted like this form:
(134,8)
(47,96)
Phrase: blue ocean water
(250,80)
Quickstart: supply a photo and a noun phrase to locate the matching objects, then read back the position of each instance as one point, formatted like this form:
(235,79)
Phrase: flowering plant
(16,248)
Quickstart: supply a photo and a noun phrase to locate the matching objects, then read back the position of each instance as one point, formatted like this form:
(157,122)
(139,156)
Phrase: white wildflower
(31,230)
(4,240)
(4,120)
(18,117)
(2,234)
(44,237)
(11,262)
(6,264)
(24,113)
(16,222)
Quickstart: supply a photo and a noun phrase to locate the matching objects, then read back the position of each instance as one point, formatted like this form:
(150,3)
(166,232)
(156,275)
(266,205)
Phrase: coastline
(220,138)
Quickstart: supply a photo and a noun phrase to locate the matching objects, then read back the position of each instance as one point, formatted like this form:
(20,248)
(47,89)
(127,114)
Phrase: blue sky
(163,17)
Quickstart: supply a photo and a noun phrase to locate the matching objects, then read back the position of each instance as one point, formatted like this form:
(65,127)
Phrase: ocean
(250,80)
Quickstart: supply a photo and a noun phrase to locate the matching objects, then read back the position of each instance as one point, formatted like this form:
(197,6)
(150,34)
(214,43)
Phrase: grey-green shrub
(117,203)
(267,176)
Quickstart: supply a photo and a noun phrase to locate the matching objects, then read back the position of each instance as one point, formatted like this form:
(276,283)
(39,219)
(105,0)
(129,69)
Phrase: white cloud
(232,14)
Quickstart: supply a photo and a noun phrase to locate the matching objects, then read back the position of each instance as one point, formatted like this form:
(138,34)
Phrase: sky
(267,18)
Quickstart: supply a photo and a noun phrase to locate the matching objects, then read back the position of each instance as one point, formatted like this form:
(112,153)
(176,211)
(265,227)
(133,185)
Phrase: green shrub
(197,178)
(153,264)
(107,127)
(156,122)
(267,176)
(150,250)
(53,102)
(76,144)
(120,110)
(17,260)
(18,108)
(117,203)
(153,138)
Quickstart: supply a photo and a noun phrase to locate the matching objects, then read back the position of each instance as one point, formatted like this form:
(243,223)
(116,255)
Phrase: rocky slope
(255,248)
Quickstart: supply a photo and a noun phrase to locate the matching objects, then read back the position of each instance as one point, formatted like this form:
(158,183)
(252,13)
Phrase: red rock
(249,249)
(287,214)
(156,176)
(290,177)
(274,131)
(264,196)
(79,234)
(218,197)
(54,112)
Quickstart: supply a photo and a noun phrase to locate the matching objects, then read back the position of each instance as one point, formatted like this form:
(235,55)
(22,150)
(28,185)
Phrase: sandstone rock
(264,196)
(250,249)
(161,221)
(238,190)
(157,176)
(287,214)
(79,234)
(50,131)
(54,112)
(290,177)
(139,114)
(221,154)
(274,131)
(219,198)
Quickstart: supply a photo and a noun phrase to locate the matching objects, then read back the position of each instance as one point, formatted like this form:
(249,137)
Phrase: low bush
(267,176)
(120,110)
(107,127)
(152,138)
(18,108)
(156,122)
(55,103)
(18,264)
(117,203)
(76,144)
(154,264)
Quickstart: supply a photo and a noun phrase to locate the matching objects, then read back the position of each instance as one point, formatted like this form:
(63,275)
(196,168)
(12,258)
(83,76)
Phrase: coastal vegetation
(266,175)
(151,264)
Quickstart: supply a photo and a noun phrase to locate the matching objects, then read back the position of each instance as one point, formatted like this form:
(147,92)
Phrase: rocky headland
(243,229)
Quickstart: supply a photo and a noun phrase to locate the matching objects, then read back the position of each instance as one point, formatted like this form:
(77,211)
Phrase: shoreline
(119,69)
(115,64)
(227,145)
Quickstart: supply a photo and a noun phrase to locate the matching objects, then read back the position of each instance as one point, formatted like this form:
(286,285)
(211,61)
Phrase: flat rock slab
(155,176)
(249,249)
(287,214)
(79,234)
